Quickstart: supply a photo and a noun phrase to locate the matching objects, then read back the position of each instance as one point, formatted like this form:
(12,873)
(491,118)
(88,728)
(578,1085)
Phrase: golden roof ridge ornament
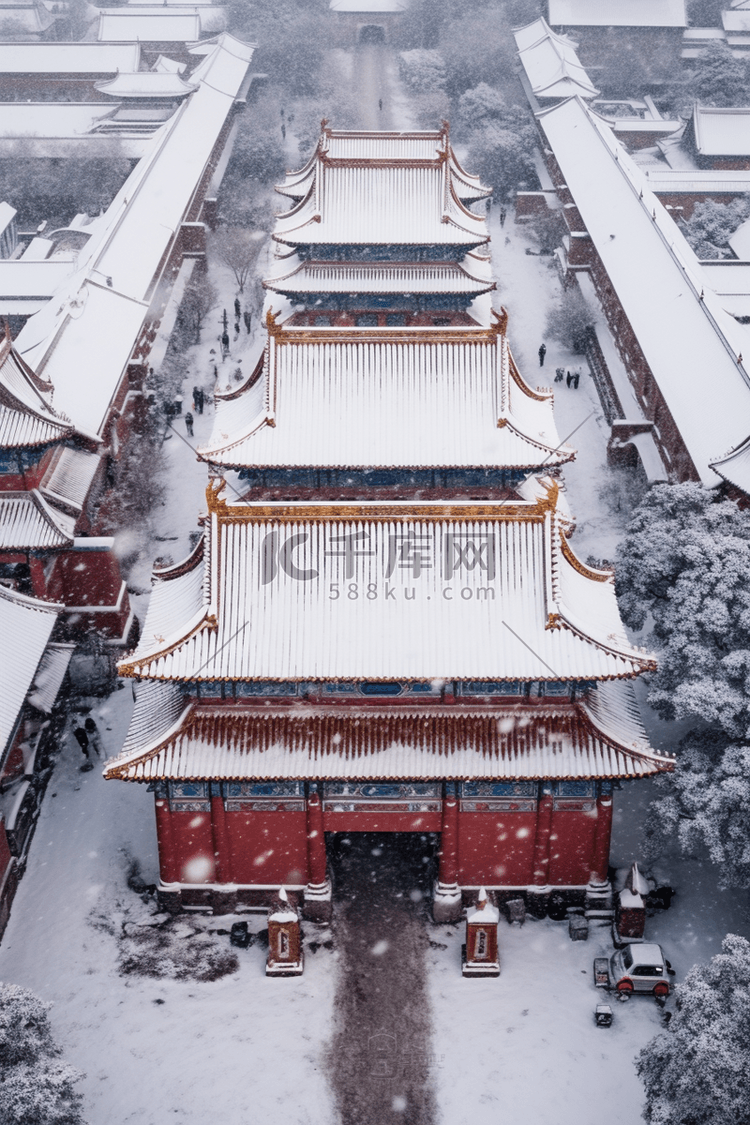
(217,504)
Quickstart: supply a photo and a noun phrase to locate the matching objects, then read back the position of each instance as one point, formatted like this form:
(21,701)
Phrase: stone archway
(371,33)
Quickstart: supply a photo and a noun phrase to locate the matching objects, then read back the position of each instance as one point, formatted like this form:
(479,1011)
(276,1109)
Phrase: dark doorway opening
(372,33)
(375,866)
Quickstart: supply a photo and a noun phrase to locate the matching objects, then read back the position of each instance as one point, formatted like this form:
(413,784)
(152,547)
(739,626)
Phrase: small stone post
(480,954)
(285,958)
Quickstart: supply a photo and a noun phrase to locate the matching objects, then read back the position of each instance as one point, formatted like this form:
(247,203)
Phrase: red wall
(268,847)
(496,848)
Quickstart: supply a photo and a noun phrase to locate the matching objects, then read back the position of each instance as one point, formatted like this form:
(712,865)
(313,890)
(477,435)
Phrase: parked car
(635,968)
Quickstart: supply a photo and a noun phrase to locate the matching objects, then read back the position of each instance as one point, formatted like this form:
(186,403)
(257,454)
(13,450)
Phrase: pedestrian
(559,374)
(216,372)
(283,131)
(189,423)
(237,308)
(380,104)
(248,319)
(503,213)
(569,378)
(542,353)
(83,741)
(196,392)
(576,378)
(199,399)
(93,735)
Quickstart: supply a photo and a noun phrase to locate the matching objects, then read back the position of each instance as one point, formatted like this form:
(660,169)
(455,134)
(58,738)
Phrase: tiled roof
(25,627)
(508,742)
(380,397)
(471,276)
(27,418)
(28,522)
(69,476)
(551,63)
(384,591)
(735,467)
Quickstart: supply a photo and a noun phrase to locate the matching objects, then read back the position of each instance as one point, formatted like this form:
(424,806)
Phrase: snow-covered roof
(146,84)
(551,63)
(27,417)
(69,476)
(665,181)
(162,24)
(28,522)
(739,243)
(471,276)
(397,204)
(617,13)
(357,397)
(84,338)
(507,742)
(376,7)
(738,20)
(26,625)
(50,675)
(681,326)
(50,59)
(58,120)
(720,131)
(735,468)
(456,591)
(27,282)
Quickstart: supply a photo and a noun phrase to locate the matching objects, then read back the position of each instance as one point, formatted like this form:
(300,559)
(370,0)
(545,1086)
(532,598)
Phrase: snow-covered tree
(712,224)
(685,565)
(482,102)
(708,806)
(501,150)
(695,1072)
(422,71)
(36,1085)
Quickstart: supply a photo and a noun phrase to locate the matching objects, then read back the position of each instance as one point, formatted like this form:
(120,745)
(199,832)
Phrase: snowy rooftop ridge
(494,592)
(721,131)
(364,397)
(652,267)
(551,63)
(509,741)
(735,467)
(28,522)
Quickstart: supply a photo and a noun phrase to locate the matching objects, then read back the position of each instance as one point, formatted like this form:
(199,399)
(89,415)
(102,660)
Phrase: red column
(316,841)
(448,866)
(541,840)
(165,839)
(222,853)
(602,834)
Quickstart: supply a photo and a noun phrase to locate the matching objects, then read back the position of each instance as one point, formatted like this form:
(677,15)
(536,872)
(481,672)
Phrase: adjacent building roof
(83,340)
(50,675)
(471,277)
(29,523)
(162,24)
(551,63)
(617,13)
(27,417)
(509,743)
(53,59)
(667,181)
(146,84)
(681,326)
(405,397)
(26,625)
(735,467)
(69,476)
(384,591)
(721,132)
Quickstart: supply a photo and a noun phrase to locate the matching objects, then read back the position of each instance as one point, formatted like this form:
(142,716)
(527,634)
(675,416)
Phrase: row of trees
(683,575)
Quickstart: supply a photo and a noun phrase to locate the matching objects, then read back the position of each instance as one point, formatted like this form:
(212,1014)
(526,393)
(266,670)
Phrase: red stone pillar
(446,906)
(538,892)
(222,852)
(317,899)
(169,894)
(599,892)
